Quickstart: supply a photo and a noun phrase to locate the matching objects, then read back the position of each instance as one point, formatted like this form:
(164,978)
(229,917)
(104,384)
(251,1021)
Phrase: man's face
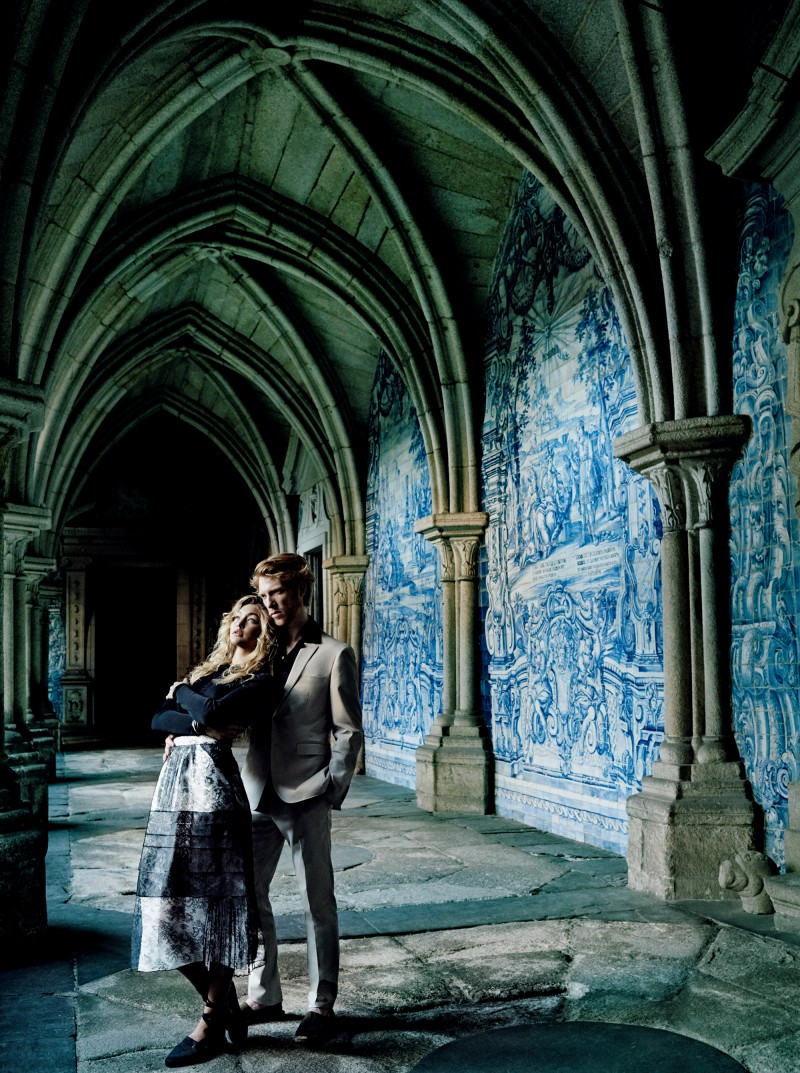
(283,605)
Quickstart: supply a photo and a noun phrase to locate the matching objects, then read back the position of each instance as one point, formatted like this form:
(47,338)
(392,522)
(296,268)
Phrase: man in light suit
(296,771)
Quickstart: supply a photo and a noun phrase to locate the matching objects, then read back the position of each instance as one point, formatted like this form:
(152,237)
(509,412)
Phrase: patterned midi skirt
(195,899)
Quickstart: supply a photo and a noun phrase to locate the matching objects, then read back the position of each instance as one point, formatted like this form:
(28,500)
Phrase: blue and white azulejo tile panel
(572,601)
(765,572)
(401,674)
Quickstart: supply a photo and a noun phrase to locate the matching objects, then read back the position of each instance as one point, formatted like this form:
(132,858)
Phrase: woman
(195,908)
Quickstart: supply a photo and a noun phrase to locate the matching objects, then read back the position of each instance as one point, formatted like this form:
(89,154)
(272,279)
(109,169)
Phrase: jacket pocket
(311,748)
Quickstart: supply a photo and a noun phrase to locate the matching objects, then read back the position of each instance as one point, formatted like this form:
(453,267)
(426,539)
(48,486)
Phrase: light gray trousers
(306,827)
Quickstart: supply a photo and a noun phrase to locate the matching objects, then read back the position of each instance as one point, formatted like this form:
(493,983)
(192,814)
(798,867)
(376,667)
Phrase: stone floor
(462,935)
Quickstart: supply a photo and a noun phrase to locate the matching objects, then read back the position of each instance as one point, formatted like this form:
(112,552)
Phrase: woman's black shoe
(191,1052)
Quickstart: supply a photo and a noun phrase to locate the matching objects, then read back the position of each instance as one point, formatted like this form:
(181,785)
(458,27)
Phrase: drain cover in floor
(577,1047)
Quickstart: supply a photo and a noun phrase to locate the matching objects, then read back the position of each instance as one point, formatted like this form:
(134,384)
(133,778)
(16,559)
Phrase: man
(295,772)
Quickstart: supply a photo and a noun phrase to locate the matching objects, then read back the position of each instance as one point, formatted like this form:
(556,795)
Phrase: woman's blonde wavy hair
(222,652)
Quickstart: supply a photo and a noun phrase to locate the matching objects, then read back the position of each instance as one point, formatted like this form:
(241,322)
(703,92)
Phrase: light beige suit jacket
(312,746)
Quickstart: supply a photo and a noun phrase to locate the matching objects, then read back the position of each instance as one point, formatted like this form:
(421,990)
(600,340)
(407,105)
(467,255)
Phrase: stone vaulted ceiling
(223,212)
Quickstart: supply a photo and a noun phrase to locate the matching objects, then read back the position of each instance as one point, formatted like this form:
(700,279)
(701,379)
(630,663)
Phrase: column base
(683,824)
(30,770)
(44,738)
(784,892)
(791,836)
(23,902)
(454,770)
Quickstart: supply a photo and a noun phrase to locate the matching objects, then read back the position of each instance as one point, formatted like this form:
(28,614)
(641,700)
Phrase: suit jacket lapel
(302,658)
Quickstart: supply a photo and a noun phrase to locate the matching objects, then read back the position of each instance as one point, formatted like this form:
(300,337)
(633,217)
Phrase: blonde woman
(195,907)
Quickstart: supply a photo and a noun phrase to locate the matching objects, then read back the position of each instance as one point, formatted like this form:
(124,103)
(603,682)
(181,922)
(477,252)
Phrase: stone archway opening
(162,537)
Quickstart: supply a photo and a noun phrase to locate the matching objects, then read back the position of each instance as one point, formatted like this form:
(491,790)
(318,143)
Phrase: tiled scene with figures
(765,536)
(573,586)
(571,580)
(401,669)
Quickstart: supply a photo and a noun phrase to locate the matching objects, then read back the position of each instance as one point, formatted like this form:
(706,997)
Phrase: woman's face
(245,628)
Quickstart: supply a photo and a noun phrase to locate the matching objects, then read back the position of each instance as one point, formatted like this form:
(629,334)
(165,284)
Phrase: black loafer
(262,1016)
(316,1027)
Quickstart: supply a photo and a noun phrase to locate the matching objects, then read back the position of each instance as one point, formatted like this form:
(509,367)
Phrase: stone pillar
(346,574)
(695,809)
(32,765)
(23,840)
(191,643)
(454,763)
(78,717)
(42,723)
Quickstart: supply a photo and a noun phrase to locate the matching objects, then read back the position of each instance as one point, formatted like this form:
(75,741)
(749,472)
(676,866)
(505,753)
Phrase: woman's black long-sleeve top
(207,702)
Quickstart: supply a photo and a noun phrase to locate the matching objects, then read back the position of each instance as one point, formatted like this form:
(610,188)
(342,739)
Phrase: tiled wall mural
(764,526)
(401,675)
(572,579)
(57,655)
(573,679)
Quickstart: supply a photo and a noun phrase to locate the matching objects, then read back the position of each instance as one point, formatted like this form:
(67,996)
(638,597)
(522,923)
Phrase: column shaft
(676,747)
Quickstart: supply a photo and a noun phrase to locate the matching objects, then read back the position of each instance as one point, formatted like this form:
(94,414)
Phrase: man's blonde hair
(291,570)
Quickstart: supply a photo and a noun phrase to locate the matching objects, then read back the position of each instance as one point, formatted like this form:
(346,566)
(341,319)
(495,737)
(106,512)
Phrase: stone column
(76,682)
(695,809)
(41,718)
(454,763)
(31,764)
(191,642)
(346,573)
(23,840)
(344,607)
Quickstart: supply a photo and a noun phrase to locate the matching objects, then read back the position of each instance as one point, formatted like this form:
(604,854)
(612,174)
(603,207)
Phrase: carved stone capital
(671,493)
(458,537)
(37,568)
(347,572)
(355,589)
(466,550)
(687,462)
(21,412)
(448,559)
(703,480)
(20,525)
